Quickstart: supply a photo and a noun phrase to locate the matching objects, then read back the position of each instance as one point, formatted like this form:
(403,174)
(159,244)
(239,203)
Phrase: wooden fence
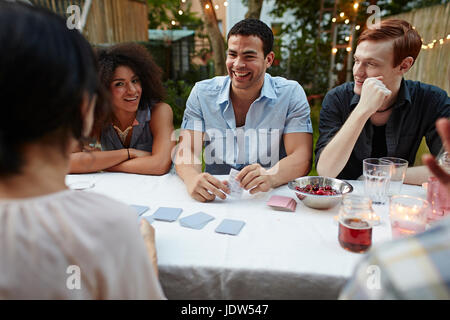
(108,21)
(433,64)
(114,21)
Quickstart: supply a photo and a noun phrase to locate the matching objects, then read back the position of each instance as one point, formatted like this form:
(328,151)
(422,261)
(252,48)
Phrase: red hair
(407,42)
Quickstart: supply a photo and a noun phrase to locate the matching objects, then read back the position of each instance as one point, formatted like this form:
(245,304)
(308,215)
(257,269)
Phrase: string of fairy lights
(342,17)
(345,18)
(207,7)
(435,42)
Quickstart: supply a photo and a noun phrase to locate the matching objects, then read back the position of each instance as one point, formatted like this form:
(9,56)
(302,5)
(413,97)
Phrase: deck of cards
(282,203)
(235,187)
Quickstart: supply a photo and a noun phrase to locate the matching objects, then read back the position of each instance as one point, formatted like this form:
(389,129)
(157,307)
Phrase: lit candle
(407,218)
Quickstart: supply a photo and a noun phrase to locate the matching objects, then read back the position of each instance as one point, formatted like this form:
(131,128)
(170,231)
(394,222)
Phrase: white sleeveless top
(73,245)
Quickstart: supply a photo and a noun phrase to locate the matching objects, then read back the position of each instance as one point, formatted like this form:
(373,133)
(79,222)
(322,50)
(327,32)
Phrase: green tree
(161,13)
(307,52)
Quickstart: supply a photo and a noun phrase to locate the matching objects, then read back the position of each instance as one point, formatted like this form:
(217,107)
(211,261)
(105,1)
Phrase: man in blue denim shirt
(248,119)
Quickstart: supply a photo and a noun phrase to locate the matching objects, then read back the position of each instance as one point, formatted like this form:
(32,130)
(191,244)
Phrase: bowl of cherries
(320,192)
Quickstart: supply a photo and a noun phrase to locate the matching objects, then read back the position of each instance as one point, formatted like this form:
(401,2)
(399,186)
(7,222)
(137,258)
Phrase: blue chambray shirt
(281,108)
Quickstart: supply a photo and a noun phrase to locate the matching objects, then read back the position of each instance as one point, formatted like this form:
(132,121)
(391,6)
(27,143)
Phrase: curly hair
(138,59)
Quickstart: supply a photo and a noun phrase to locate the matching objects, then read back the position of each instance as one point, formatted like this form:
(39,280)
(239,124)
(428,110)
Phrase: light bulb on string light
(206,6)
(348,49)
(180,12)
(347,38)
(347,21)
(225,4)
(334,50)
(173,22)
(216,7)
(333,20)
(342,14)
(356,5)
(358,27)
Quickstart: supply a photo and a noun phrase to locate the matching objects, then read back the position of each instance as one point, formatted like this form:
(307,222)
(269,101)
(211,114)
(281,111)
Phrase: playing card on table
(282,203)
(235,187)
(139,209)
(196,221)
(167,214)
(230,226)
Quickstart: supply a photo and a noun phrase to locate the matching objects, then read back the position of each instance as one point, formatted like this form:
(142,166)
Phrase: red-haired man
(380,113)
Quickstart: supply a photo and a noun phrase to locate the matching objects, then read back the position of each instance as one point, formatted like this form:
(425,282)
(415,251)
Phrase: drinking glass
(377,175)
(438,194)
(398,175)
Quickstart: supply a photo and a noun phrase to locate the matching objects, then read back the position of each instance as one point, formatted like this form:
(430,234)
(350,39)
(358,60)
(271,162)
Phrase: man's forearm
(289,168)
(336,153)
(417,175)
(186,164)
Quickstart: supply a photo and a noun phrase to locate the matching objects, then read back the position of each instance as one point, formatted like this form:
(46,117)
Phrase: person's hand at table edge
(148,233)
(255,178)
(204,187)
(443,128)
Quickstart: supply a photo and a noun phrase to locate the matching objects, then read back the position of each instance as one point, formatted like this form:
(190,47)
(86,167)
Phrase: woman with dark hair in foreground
(57,243)
(137,138)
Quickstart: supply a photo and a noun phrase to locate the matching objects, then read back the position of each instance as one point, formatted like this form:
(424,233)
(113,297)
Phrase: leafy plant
(177,95)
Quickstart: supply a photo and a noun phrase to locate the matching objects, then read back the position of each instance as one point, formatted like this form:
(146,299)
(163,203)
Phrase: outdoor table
(277,254)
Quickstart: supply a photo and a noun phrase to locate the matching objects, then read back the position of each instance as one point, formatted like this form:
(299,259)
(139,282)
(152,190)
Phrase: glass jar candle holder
(408,215)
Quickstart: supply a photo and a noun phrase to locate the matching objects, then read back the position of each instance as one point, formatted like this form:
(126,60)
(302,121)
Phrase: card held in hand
(167,214)
(229,226)
(235,187)
(196,221)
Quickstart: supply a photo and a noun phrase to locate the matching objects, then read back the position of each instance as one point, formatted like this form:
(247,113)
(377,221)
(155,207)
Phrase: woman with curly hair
(137,136)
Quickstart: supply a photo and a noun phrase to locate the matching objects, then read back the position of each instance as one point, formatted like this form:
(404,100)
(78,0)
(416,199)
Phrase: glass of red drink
(355,224)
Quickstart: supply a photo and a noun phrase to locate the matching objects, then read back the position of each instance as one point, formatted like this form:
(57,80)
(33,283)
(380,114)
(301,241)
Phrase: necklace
(122,134)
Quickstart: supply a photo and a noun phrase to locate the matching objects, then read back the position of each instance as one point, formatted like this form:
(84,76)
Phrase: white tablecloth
(277,255)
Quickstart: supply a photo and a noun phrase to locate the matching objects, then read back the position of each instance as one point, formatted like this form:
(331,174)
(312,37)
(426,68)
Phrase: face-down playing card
(139,209)
(167,214)
(196,221)
(230,226)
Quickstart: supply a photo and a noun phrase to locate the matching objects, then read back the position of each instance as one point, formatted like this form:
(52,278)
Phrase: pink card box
(282,203)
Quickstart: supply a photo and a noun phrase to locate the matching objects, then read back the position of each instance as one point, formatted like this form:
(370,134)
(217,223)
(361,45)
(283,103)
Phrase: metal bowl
(320,201)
